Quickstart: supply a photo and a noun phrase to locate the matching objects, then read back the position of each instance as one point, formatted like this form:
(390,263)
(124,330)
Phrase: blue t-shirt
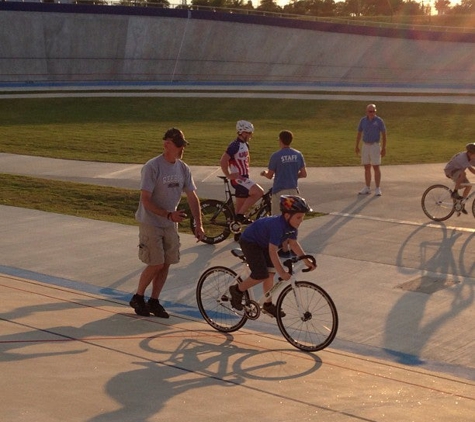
(273,229)
(371,129)
(286,164)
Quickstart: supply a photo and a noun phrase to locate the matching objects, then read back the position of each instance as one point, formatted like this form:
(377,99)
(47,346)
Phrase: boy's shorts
(242,187)
(456,174)
(371,154)
(158,245)
(258,260)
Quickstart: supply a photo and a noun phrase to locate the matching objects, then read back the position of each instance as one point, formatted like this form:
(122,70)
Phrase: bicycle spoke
(437,203)
(311,324)
(212,296)
(215,216)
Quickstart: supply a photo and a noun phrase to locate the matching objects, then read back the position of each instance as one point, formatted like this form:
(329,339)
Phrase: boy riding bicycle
(455,170)
(260,243)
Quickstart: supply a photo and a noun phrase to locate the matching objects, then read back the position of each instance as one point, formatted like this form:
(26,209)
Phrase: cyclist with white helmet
(260,243)
(455,170)
(235,166)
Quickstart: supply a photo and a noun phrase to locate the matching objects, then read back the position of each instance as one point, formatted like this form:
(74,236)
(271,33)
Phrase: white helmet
(244,126)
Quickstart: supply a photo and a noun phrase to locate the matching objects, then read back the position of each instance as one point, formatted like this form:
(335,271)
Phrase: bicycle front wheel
(216,217)
(311,319)
(437,203)
(214,300)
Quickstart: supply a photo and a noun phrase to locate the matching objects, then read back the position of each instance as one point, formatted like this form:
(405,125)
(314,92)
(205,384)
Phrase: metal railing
(341,20)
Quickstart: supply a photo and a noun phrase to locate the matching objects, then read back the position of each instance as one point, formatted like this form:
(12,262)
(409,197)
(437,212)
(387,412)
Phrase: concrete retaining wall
(184,46)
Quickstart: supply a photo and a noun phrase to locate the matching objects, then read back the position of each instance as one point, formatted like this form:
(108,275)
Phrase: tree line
(329,8)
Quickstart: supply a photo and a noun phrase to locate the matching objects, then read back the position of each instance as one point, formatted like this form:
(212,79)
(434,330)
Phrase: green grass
(78,199)
(129,130)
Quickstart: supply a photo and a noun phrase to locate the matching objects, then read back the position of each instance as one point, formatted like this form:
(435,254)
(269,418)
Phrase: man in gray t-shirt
(164,179)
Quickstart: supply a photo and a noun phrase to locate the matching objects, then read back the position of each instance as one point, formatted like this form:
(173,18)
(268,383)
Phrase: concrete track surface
(72,348)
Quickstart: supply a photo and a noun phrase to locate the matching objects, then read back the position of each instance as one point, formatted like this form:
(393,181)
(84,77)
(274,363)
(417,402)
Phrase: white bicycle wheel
(312,325)
(214,300)
(437,203)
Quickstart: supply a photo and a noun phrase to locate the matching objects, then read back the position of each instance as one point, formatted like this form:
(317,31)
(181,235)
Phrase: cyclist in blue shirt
(260,243)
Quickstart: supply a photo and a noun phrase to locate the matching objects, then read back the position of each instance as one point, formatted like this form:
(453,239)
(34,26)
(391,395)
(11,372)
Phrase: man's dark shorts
(242,186)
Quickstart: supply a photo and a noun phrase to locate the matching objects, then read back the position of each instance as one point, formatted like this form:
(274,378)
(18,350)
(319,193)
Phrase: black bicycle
(219,217)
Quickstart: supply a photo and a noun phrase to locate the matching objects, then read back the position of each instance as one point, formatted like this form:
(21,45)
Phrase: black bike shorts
(258,259)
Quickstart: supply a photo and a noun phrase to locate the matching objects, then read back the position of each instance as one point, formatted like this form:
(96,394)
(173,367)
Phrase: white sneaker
(378,192)
(365,191)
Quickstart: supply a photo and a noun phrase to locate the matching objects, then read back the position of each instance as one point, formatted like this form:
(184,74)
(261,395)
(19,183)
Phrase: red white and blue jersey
(239,162)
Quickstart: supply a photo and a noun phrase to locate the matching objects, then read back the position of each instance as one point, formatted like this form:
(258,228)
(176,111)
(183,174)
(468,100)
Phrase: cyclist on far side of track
(455,170)
(260,243)
(235,166)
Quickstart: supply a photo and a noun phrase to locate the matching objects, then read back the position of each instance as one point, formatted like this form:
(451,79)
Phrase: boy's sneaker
(270,309)
(240,218)
(236,297)
(455,195)
(157,309)
(138,303)
(464,211)
(378,192)
(365,191)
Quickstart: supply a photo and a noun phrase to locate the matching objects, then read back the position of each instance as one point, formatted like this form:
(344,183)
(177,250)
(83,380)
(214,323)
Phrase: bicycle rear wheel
(214,300)
(313,327)
(216,217)
(437,203)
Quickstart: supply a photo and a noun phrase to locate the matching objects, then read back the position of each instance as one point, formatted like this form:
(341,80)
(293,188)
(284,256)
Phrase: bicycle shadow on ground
(210,363)
(446,269)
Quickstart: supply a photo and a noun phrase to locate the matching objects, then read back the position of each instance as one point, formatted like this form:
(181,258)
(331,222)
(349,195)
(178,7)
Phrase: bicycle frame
(229,201)
(220,219)
(278,285)
(228,195)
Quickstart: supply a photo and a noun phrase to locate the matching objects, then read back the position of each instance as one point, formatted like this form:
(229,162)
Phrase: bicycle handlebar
(289,262)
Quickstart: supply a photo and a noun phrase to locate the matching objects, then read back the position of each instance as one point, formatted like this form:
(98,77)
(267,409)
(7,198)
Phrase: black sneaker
(240,218)
(236,297)
(455,195)
(464,211)
(270,309)
(157,309)
(138,303)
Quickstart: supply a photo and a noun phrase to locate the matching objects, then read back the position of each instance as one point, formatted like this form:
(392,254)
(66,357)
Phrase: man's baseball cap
(177,136)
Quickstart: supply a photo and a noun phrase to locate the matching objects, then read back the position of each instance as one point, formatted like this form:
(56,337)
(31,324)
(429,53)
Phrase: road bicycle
(219,217)
(311,319)
(438,204)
